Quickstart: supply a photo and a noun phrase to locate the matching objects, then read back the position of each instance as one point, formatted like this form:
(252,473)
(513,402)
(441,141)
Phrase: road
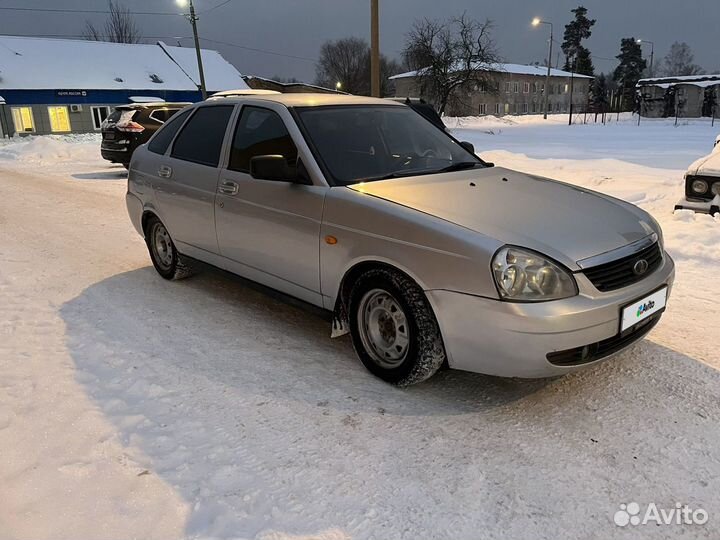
(131,407)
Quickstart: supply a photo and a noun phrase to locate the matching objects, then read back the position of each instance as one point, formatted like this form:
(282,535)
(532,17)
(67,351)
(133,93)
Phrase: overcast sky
(297,28)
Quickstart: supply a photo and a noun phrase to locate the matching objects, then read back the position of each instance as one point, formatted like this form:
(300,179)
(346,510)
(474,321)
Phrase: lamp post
(338,86)
(537,21)
(652,53)
(193,21)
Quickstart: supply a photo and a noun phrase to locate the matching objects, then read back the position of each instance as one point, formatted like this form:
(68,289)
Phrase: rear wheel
(393,327)
(165,258)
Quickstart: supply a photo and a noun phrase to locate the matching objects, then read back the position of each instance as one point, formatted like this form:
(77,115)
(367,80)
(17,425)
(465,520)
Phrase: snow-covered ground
(131,407)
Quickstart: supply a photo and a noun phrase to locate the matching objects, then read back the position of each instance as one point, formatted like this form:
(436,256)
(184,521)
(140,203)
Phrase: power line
(87,11)
(265,51)
(221,4)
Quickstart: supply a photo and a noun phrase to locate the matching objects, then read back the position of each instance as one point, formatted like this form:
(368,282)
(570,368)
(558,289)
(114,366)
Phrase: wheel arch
(353,271)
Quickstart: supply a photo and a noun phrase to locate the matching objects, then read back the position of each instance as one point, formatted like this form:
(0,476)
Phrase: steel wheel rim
(162,246)
(383,328)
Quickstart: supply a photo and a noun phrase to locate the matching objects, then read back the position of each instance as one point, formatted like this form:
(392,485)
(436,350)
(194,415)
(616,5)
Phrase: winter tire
(393,328)
(165,258)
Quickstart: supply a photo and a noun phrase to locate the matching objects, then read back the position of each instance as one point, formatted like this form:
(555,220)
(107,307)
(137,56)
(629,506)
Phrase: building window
(525,108)
(481,87)
(23,119)
(59,119)
(507,108)
(515,108)
(482,109)
(526,88)
(567,88)
(497,109)
(507,86)
(516,87)
(99,114)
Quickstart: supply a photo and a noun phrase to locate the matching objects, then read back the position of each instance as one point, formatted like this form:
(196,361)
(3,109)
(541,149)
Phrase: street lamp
(537,21)
(652,53)
(193,21)
(338,86)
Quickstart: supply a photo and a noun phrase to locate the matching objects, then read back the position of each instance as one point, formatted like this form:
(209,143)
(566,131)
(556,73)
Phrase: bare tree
(119,27)
(451,55)
(679,61)
(347,61)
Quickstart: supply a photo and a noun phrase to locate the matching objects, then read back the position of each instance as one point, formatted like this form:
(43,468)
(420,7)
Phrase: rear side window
(201,139)
(260,132)
(160,142)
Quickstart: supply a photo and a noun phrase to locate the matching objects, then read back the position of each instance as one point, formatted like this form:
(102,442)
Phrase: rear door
(271,227)
(187,178)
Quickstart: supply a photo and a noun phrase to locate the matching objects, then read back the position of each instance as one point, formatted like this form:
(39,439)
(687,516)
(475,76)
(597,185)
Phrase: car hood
(563,221)
(708,165)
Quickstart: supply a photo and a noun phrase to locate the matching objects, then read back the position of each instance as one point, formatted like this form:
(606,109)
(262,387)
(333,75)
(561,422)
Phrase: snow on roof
(516,69)
(219,73)
(47,64)
(702,81)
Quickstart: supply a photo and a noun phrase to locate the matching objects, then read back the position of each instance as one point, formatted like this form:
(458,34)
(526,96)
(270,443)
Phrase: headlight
(699,186)
(716,188)
(525,276)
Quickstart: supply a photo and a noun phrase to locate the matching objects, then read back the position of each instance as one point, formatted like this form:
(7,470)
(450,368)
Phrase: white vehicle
(702,184)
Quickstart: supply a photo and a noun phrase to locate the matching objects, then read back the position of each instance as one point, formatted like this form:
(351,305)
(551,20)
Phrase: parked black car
(129,126)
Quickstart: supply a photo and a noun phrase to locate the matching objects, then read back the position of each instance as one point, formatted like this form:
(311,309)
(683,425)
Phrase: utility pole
(193,21)
(374,48)
(537,21)
(572,76)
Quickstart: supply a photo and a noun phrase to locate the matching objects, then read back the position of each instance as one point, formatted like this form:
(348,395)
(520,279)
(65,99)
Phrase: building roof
(28,63)
(703,81)
(516,69)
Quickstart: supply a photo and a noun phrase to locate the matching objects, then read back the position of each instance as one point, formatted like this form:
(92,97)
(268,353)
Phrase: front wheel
(393,327)
(165,258)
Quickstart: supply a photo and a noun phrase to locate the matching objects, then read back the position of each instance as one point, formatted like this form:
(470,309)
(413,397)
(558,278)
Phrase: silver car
(426,254)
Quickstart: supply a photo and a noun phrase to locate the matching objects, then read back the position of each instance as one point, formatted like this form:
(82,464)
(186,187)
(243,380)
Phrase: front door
(187,179)
(270,228)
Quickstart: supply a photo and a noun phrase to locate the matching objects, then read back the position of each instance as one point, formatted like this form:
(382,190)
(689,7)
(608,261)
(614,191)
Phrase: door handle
(164,171)
(228,187)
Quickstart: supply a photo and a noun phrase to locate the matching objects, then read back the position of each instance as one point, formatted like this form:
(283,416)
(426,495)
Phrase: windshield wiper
(459,166)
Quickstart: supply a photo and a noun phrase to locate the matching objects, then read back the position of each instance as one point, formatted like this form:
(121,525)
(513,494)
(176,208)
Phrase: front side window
(162,139)
(202,137)
(362,143)
(260,132)
(526,88)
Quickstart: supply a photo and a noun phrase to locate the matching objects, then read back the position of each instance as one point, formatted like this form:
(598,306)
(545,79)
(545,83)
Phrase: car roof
(307,99)
(157,105)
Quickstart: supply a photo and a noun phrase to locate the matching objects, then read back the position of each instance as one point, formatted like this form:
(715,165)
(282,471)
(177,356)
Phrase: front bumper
(513,339)
(706,207)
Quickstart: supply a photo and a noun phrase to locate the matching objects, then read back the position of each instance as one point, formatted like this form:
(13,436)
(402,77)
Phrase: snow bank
(46,149)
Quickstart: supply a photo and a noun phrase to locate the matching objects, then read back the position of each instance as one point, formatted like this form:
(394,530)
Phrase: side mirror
(272,167)
(468,146)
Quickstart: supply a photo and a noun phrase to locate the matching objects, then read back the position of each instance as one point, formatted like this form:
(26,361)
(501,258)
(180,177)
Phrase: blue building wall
(91,97)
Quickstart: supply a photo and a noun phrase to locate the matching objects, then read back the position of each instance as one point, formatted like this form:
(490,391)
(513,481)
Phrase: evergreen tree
(599,92)
(630,70)
(583,62)
(575,32)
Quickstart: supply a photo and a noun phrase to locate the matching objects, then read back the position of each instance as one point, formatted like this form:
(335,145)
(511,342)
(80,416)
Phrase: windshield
(359,143)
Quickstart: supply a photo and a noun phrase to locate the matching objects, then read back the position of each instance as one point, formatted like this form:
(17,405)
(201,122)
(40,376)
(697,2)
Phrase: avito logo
(645,307)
